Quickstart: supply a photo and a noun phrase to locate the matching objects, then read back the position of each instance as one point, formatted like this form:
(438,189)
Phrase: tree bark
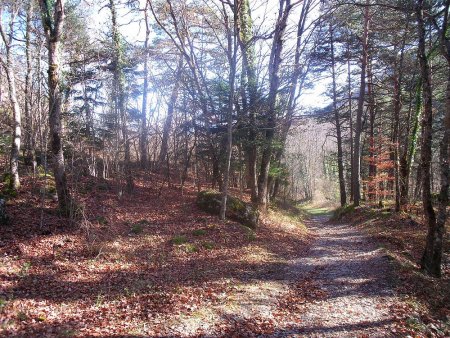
(249,67)
(350,115)
(274,80)
(170,110)
(298,75)
(143,142)
(428,262)
(232,59)
(356,165)
(29,134)
(398,79)
(8,38)
(432,256)
(372,143)
(337,122)
(119,95)
(53,27)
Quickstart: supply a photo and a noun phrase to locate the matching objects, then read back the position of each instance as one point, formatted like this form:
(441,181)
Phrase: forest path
(340,287)
(355,278)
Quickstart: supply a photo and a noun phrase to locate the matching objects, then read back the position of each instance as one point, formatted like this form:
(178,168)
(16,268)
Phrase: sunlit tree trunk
(232,60)
(53,20)
(28,108)
(143,142)
(249,67)
(285,7)
(350,114)
(119,95)
(8,39)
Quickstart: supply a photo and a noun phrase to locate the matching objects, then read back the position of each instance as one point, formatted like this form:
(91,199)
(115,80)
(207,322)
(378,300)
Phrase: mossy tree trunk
(53,19)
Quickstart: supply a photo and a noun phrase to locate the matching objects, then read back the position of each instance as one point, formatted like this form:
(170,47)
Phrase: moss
(7,179)
(342,211)
(237,209)
(251,235)
(236,204)
(8,190)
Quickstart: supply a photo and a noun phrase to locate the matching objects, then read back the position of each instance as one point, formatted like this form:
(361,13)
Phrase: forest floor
(152,264)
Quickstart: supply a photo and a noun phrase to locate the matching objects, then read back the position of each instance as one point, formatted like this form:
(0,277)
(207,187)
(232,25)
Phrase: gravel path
(339,288)
(355,279)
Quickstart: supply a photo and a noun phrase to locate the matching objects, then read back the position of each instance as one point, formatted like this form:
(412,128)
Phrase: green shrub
(7,179)
(21,316)
(24,269)
(199,232)
(251,235)
(179,239)
(208,245)
(8,191)
(102,220)
(191,248)
(143,222)
(137,228)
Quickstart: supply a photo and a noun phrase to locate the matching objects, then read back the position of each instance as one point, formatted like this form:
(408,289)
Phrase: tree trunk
(29,134)
(274,80)
(232,59)
(350,114)
(249,66)
(429,262)
(17,124)
(119,95)
(143,142)
(398,78)
(372,143)
(293,95)
(55,103)
(432,256)
(337,122)
(433,250)
(356,165)
(8,38)
(53,28)
(170,110)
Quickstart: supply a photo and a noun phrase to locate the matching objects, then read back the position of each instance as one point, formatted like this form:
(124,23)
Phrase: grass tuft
(208,245)
(179,239)
(137,229)
(199,232)
(190,248)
